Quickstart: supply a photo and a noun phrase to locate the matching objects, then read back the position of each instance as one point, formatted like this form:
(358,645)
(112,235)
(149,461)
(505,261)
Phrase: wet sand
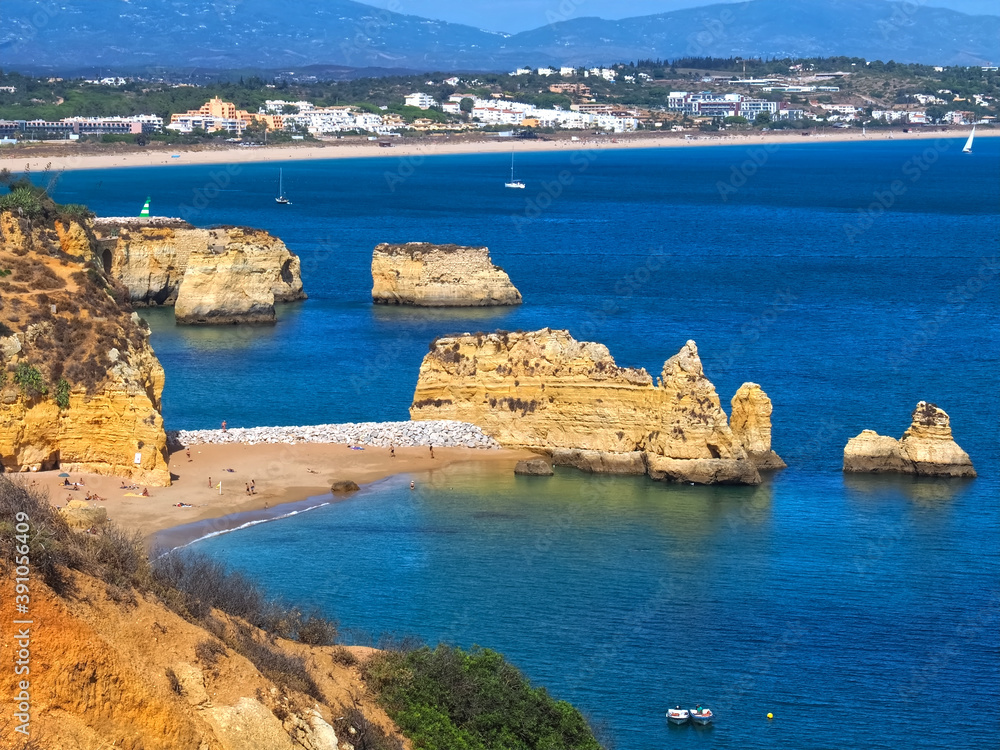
(65,157)
(282,475)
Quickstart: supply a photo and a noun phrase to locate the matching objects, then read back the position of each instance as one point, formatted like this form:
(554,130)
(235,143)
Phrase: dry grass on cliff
(69,312)
(108,576)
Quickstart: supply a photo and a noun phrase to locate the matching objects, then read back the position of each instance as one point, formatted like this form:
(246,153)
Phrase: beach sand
(283,474)
(67,155)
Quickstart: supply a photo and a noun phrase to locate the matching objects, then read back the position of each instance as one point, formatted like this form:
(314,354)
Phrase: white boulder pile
(440,434)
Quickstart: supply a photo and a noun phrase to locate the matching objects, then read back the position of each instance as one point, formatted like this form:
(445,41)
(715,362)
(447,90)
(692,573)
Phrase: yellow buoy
(770,716)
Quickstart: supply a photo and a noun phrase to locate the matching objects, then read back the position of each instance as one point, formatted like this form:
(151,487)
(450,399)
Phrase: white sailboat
(968,143)
(281,191)
(513,183)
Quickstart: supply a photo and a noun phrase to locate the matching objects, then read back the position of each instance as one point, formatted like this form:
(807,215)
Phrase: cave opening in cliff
(106,260)
(286,272)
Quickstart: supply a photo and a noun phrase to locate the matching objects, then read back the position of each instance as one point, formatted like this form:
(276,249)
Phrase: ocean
(850,280)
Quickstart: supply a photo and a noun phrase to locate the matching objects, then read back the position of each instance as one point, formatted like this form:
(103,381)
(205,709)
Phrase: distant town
(644,96)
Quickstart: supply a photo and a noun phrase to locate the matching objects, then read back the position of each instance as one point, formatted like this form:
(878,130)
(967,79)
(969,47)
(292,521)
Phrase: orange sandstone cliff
(426,275)
(79,384)
(926,448)
(545,391)
(219,275)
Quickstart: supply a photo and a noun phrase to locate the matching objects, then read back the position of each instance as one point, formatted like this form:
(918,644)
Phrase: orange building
(221,110)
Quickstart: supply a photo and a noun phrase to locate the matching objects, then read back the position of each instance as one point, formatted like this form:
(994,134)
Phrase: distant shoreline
(404,148)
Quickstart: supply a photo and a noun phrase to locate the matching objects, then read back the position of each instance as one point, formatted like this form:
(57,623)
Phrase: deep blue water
(851,607)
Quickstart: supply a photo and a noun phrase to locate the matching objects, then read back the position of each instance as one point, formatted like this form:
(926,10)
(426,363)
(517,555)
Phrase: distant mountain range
(113,35)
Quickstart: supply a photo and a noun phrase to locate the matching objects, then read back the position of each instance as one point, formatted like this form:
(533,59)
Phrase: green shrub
(62,393)
(448,699)
(29,380)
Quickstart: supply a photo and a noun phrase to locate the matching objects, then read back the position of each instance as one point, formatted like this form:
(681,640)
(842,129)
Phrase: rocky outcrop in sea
(211,276)
(440,434)
(750,421)
(426,275)
(926,449)
(547,392)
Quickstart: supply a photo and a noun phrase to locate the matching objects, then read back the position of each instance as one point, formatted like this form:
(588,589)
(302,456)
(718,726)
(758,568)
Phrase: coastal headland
(70,156)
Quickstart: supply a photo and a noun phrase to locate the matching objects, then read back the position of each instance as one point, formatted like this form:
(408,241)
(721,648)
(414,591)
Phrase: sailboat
(145,209)
(968,143)
(513,183)
(281,190)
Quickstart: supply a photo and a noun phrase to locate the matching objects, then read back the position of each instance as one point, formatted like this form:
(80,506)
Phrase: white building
(546,72)
(567,72)
(188,122)
(277,106)
(708,104)
(423,101)
(325,120)
(521,72)
(889,115)
(841,109)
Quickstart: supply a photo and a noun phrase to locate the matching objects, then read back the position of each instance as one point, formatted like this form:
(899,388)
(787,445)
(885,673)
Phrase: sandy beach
(67,155)
(282,474)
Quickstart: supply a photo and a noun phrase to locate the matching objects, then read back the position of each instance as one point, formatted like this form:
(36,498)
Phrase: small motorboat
(702,716)
(678,715)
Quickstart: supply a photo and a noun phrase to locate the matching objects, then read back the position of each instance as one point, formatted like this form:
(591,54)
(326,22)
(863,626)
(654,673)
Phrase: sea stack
(426,275)
(222,275)
(750,421)
(545,391)
(926,449)
(80,387)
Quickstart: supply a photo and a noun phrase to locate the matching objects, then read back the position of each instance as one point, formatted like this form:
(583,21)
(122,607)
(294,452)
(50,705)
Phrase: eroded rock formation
(544,390)
(750,421)
(222,275)
(419,273)
(80,386)
(926,448)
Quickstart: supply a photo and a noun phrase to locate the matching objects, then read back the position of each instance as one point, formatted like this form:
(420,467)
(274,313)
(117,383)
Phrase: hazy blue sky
(520,15)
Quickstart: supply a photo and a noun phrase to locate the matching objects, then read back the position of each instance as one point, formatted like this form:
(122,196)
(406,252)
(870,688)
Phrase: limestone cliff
(418,273)
(544,390)
(926,448)
(79,384)
(750,421)
(223,275)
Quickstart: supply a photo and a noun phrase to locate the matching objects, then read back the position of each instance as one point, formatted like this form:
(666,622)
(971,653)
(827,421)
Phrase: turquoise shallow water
(851,607)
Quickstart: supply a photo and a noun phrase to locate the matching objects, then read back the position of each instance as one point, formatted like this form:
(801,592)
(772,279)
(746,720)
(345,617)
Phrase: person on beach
(412,485)
(253,487)
(392,451)
(432,450)
(210,485)
(188,452)
(145,491)
(248,489)
(223,425)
